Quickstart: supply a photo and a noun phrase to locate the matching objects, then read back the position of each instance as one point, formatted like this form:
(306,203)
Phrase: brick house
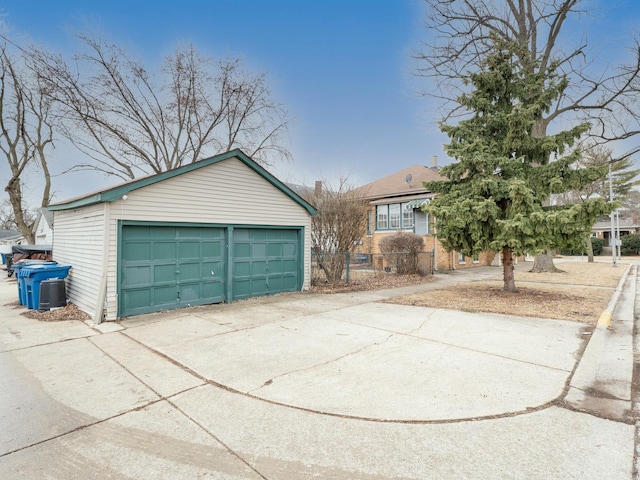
(395,204)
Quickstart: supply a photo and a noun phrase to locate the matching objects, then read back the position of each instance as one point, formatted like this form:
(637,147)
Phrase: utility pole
(612,240)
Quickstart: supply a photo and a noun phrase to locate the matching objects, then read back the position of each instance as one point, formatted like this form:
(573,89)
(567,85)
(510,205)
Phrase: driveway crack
(321,364)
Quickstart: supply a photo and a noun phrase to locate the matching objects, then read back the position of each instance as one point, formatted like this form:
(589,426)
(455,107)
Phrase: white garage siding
(78,241)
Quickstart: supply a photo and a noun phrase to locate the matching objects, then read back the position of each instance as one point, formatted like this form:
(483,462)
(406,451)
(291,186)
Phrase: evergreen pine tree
(495,192)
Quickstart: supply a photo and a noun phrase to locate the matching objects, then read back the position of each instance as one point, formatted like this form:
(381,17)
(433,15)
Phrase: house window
(476,258)
(382,217)
(407,216)
(461,258)
(394,216)
(422,223)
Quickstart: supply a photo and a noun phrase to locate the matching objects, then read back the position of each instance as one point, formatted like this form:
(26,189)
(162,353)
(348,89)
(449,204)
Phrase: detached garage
(218,230)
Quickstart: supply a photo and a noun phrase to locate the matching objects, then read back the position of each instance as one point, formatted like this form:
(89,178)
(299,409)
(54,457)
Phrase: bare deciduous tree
(131,121)
(341,222)
(605,97)
(25,134)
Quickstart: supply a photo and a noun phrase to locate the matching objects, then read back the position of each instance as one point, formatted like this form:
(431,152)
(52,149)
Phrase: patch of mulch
(372,282)
(70,312)
(558,302)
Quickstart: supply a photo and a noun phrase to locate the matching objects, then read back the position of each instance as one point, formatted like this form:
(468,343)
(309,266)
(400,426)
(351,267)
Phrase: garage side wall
(78,241)
(225,193)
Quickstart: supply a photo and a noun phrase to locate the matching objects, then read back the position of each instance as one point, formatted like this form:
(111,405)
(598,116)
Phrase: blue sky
(342,68)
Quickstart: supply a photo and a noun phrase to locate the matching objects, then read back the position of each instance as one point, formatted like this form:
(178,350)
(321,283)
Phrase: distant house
(43,227)
(395,204)
(602,229)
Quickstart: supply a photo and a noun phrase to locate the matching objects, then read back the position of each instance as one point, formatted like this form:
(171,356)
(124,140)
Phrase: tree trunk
(589,250)
(14,191)
(507,269)
(544,263)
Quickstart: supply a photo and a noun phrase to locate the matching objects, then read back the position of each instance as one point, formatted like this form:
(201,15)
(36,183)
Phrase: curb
(607,315)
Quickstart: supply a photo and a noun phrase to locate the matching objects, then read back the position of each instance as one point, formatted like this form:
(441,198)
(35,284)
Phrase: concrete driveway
(319,386)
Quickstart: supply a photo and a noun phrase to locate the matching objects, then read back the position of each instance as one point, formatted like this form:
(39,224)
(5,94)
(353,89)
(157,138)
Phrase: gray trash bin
(53,294)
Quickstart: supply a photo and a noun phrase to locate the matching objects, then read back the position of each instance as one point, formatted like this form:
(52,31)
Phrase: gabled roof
(114,193)
(396,184)
(9,234)
(46,214)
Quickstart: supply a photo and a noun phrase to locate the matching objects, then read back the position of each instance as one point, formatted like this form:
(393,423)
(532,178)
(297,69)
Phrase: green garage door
(265,261)
(164,267)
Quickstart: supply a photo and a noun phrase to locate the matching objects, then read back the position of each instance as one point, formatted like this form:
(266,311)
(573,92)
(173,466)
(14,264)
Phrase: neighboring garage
(218,230)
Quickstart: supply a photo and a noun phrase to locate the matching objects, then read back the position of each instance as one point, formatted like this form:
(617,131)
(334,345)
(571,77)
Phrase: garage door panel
(163,251)
(137,251)
(211,268)
(241,269)
(163,296)
(189,232)
(289,283)
(265,261)
(258,267)
(171,268)
(189,250)
(290,266)
(190,272)
(242,250)
(138,298)
(212,249)
(138,232)
(164,273)
(258,250)
(213,289)
(190,292)
(241,288)
(162,233)
(274,249)
(137,275)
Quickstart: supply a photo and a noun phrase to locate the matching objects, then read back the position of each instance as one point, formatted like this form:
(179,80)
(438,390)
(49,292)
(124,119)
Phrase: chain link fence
(345,266)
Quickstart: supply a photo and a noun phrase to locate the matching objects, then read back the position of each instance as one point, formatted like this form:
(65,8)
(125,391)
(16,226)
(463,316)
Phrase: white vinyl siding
(78,241)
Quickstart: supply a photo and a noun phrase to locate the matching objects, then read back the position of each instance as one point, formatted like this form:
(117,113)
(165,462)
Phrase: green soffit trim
(115,193)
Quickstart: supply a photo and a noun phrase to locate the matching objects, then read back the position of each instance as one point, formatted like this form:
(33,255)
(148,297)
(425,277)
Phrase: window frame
(382,217)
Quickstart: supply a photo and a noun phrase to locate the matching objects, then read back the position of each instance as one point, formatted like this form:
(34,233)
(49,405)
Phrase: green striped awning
(421,202)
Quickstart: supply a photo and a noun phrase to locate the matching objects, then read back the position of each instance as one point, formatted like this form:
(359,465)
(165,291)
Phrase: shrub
(630,245)
(596,243)
(401,251)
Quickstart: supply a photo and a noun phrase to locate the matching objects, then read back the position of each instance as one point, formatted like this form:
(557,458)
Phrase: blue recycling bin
(22,289)
(34,274)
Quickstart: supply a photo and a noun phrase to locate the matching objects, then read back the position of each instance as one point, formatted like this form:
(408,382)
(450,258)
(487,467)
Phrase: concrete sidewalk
(319,386)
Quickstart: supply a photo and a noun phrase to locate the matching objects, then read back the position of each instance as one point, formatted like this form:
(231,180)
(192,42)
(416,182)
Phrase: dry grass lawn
(579,294)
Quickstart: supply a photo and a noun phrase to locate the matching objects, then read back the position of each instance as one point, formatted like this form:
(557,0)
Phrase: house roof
(623,223)
(114,193)
(9,234)
(45,213)
(405,183)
